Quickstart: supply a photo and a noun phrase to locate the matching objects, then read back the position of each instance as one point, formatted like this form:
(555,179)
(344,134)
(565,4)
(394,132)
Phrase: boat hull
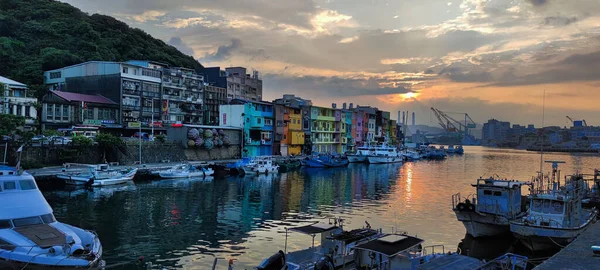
(538,238)
(315,164)
(383,159)
(172,175)
(357,159)
(478,225)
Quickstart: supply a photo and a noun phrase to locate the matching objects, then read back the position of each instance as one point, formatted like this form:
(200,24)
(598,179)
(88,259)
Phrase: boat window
(6,245)
(537,206)
(10,185)
(21,222)
(553,207)
(497,193)
(5,224)
(27,184)
(487,192)
(48,218)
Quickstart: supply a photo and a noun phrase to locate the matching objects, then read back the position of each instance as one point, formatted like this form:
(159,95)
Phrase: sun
(409,95)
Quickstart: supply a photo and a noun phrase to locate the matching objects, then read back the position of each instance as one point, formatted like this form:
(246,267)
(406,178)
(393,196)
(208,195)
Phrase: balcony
(172,97)
(131,107)
(131,92)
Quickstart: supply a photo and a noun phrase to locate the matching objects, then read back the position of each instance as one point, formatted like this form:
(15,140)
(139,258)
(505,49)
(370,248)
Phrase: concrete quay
(578,254)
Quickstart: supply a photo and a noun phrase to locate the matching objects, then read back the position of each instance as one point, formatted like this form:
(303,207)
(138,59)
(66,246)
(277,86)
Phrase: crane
(444,120)
(448,123)
(570,119)
(584,122)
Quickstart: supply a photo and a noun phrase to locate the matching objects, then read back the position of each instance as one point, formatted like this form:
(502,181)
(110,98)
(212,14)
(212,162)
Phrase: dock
(578,254)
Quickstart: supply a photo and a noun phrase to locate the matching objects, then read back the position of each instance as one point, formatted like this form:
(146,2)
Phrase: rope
(555,242)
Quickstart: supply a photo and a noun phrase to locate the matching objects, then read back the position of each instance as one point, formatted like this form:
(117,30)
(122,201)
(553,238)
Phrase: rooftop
(12,83)
(70,96)
(391,244)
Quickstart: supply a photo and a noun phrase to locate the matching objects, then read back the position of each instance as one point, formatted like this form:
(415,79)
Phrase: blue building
(256,119)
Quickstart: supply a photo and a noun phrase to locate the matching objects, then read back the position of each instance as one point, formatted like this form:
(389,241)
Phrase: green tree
(161,138)
(10,123)
(108,142)
(82,141)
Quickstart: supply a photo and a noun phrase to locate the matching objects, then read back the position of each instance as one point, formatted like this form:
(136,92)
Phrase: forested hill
(38,35)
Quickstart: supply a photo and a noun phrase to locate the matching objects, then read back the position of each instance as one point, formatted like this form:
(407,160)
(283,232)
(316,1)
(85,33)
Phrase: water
(183,223)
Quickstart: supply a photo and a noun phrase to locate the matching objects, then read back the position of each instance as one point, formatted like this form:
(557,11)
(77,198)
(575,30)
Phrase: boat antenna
(542,137)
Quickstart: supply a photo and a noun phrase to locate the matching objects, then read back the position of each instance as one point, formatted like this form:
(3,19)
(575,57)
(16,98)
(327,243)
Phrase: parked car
(38,140)
(59,140)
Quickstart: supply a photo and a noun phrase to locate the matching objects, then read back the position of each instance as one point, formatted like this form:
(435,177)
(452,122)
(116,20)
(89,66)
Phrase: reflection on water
(187,223)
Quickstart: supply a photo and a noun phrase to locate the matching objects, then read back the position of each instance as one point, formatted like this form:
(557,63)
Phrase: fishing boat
(30,236)
(260,166)
(287,165)
(335,247)
(555,216)
(186,170)
(489,212)
(361,154)
(385,154)
(455,150)
(326,161)
(97,175)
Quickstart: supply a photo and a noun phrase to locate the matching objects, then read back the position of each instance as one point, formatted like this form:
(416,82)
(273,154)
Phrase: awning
(315,228)
(391,244)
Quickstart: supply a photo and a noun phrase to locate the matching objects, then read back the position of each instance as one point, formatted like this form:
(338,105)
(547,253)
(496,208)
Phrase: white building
(16,99)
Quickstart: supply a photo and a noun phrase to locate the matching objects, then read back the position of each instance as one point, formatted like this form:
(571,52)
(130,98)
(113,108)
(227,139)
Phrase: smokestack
(351,106)
(344,106)
(398,121)
(403,117)
(413,118)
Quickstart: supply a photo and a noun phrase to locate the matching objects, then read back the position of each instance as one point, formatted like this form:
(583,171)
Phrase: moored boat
(555,216)
(261,166)
(385,154)
(30,236)
(97,176)
(497,202)
(186,170)
(411,155)
(360,156)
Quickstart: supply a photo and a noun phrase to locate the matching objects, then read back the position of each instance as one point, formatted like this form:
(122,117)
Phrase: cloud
(148,15)
(559,20)
(538,2)
(180,45)
(349,39)
(224,52)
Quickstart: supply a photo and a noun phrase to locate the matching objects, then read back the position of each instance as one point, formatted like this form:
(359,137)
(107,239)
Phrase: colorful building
(295,133)
(302,109)
(256,119)
(325,129)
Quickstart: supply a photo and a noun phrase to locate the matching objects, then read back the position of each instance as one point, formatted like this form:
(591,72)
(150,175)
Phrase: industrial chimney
(344,106)
(351,106)
(398,121)
(413,118)
(403,117)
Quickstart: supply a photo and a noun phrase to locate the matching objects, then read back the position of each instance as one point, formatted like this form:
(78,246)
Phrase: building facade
(325,129)
(295,137)
(214,96)
(16,99)
(301,109)
(256,119)
(66,109)
(241,85)
(136,89)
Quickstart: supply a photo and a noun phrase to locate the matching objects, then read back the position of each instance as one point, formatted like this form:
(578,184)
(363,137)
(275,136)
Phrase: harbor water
(187,223)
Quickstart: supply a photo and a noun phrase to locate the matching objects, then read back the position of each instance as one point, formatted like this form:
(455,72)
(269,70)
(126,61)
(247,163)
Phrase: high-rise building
(243,86)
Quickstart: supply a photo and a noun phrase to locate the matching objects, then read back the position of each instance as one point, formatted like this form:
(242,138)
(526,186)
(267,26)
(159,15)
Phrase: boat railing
(432,249)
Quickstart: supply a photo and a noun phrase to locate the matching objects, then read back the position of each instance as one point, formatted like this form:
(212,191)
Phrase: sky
(487,58)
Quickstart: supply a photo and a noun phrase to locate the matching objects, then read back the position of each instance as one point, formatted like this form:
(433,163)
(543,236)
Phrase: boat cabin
(312,254)
(498,197)
(391,251)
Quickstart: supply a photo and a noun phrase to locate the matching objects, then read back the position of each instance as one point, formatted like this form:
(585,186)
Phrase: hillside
(38,35)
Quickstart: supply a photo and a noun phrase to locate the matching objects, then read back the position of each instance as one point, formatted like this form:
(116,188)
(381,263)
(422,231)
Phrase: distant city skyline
(492,59)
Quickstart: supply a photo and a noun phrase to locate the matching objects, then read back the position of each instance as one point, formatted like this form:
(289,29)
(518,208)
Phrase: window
(284,137)
(57,111)
(27,184)
(27,111)
(48,218)
(125,70)
(65,114)
(19,110)
(151,73)
(497,193)
(258,120)
(21,222)
(268,122)
(5,224)
(55,75)
(10,185)
(89,113)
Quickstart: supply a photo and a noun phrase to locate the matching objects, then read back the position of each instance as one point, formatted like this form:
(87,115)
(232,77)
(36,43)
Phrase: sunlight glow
(409,95)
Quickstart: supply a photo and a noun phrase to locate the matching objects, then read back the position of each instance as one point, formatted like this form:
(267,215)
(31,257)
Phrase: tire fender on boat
(461,207)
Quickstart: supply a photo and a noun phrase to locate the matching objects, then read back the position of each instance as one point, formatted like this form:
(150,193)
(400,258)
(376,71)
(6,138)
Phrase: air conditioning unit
(249,140)
(263,142)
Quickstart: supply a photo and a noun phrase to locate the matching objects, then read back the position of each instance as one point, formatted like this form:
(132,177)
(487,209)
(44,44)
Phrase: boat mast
(541,179)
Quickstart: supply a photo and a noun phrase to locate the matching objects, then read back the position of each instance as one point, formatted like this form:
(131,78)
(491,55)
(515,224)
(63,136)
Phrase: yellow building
(295,134)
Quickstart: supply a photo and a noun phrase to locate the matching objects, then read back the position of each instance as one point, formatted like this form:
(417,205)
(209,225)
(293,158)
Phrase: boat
(433,153)
(31,237)
(455,150)
(234,168)
(360,156)
(260,166)
(411,155)
(555,216)
(385,154)
(335,247)
(326,161)
(489,212)
(98,175)
(186,170)
(287,165)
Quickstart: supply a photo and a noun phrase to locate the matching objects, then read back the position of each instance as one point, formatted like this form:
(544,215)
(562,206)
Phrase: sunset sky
(489,58)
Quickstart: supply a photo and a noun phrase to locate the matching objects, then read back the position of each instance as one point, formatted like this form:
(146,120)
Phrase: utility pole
(152,121)
(140,140)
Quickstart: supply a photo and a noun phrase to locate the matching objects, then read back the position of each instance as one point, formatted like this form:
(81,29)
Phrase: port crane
(450,124)
(573,122)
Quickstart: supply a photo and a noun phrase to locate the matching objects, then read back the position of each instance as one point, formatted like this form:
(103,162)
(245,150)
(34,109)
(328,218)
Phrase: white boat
(97,176)
(555,216)
(186,171)
(30,236)
(261,166)
(385,154)
(411,154)
(361,155)
(498,201)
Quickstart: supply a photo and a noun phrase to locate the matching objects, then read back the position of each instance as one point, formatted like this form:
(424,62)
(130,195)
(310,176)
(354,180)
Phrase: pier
(578,254)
